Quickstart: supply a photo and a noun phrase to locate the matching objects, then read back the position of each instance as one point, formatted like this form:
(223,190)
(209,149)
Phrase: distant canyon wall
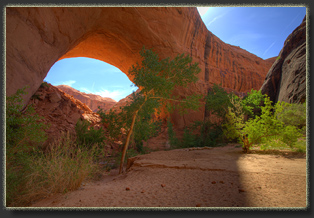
(91,100)
(37,37)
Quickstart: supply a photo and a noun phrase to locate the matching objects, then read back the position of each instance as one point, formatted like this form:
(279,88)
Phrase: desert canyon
(37,37)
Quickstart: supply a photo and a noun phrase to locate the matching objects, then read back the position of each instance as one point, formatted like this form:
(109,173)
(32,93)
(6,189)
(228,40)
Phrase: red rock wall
(38,37)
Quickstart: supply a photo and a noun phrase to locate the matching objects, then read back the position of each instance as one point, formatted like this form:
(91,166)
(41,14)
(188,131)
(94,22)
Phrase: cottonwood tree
(157,79)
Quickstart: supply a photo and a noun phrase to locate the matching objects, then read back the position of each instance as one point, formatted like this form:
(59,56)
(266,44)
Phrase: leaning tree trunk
(126,145)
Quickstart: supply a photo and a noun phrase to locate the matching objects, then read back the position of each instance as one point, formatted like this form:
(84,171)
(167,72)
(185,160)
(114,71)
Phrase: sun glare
(202,10)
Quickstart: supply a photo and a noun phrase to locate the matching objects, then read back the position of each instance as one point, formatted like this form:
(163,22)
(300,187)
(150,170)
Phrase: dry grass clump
(62,169)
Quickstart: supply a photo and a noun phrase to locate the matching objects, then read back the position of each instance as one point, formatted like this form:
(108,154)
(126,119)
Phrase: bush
(61,170)
(88,136)
(31,174)
(252,103)
(188,139)
(266,129)
(291,114)
(173,140)
(24,137)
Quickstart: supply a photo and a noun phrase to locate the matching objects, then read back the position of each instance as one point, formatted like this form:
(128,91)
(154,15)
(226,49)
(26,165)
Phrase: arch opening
(90,76)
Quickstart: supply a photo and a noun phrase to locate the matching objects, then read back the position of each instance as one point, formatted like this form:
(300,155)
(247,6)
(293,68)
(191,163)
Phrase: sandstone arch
(37,37)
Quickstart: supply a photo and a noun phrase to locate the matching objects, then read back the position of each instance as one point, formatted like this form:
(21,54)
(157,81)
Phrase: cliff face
(91,100)
(286,80)
(38,37)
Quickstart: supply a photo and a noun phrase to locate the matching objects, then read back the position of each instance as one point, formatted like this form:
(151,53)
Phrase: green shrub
(188,139)
(290,135)
(32,174)
(24,137)
(217,101)
(268,129)
(44,84)
(61,170)
(88,136)
(173,140)
(252,103)
(291,114)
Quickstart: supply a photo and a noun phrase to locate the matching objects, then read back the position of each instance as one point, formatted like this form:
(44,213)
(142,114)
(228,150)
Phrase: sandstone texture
(91,100)
(37,37)
(60,111)
(286,79)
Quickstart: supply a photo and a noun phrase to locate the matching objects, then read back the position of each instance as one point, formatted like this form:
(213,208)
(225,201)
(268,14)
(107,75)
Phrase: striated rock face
(61,111)
(286,80)
(37,37)
(91,100)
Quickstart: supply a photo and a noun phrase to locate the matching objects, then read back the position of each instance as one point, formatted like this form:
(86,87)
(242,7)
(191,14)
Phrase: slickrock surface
(198,177)
(37,37)
(91,100)
(286,80)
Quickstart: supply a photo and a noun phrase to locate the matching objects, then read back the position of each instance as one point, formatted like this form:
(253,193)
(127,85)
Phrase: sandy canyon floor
(196,177)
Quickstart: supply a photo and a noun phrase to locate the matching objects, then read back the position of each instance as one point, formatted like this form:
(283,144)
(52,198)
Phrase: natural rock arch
(37,37)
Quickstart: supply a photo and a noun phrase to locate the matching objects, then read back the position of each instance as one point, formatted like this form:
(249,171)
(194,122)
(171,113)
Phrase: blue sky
(259,30)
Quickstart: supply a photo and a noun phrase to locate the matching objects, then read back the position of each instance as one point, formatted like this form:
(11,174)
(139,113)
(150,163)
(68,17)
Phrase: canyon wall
(91,100)
(37,37)
(286,80)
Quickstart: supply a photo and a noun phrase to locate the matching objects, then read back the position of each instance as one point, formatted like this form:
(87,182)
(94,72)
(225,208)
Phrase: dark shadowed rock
(286,79)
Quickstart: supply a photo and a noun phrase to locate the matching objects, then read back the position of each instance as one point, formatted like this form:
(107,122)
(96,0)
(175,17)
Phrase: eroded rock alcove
(37,37)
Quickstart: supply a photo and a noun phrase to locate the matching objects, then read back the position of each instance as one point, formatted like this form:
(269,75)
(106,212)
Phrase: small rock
(213,182)
(198,205)
(127,188)
(143,191)
(163,185)
(241,190)
(222,182)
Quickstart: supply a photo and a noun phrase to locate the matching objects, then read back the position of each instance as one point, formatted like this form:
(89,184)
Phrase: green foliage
(32,174)
(22,126)
(114,121)
(161,76)
(157,80)
(211,134)
(88,136)
(265,129)
(173,140)
(291,114)
(252,102)
(290,135)
(44,84)
(24,136)
(218,101)
(143,130)
(62,169)
(188,139)
(235,122)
